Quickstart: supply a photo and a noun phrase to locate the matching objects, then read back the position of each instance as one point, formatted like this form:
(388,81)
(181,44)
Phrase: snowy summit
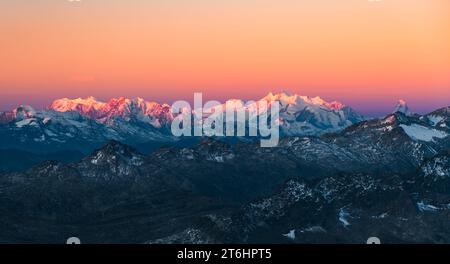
(402,107)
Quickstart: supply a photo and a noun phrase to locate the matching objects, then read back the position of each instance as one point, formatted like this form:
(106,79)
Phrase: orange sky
(367,54)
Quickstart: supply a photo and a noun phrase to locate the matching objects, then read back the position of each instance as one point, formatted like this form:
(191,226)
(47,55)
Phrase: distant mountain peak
(283,98)
(20,113)
(402,107)
(286,98)
(304,115)
(85,106)
(114,151)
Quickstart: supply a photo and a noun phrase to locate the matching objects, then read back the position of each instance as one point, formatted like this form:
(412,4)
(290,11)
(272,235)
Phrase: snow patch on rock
(422,133)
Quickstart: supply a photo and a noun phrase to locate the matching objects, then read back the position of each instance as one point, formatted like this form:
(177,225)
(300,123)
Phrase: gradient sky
(364,53)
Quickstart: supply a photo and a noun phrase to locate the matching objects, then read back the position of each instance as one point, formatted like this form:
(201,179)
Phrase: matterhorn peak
(402,107)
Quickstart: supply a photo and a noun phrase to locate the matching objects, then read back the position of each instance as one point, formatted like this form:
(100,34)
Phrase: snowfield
(418,132)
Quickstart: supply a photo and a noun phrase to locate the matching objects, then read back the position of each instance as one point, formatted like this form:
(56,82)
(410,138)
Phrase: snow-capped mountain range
(300,115)
(115,109)
(77,123)
(86,124)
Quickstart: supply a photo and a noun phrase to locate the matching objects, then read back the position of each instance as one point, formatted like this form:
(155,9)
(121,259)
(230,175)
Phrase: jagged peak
(390,119)
(402,107)
(118,101)
(114,107)
(336,105)
(87,100)
(293,99)
(114,150)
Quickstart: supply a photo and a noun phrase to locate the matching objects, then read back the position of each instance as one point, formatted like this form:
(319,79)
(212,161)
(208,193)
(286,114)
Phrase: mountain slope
(346,208)
(49,131)
(439,119)
(194,195)
(302,115)
(104,198)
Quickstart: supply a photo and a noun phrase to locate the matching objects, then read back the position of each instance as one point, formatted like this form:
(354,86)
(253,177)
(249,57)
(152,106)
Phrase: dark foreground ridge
(220,193)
